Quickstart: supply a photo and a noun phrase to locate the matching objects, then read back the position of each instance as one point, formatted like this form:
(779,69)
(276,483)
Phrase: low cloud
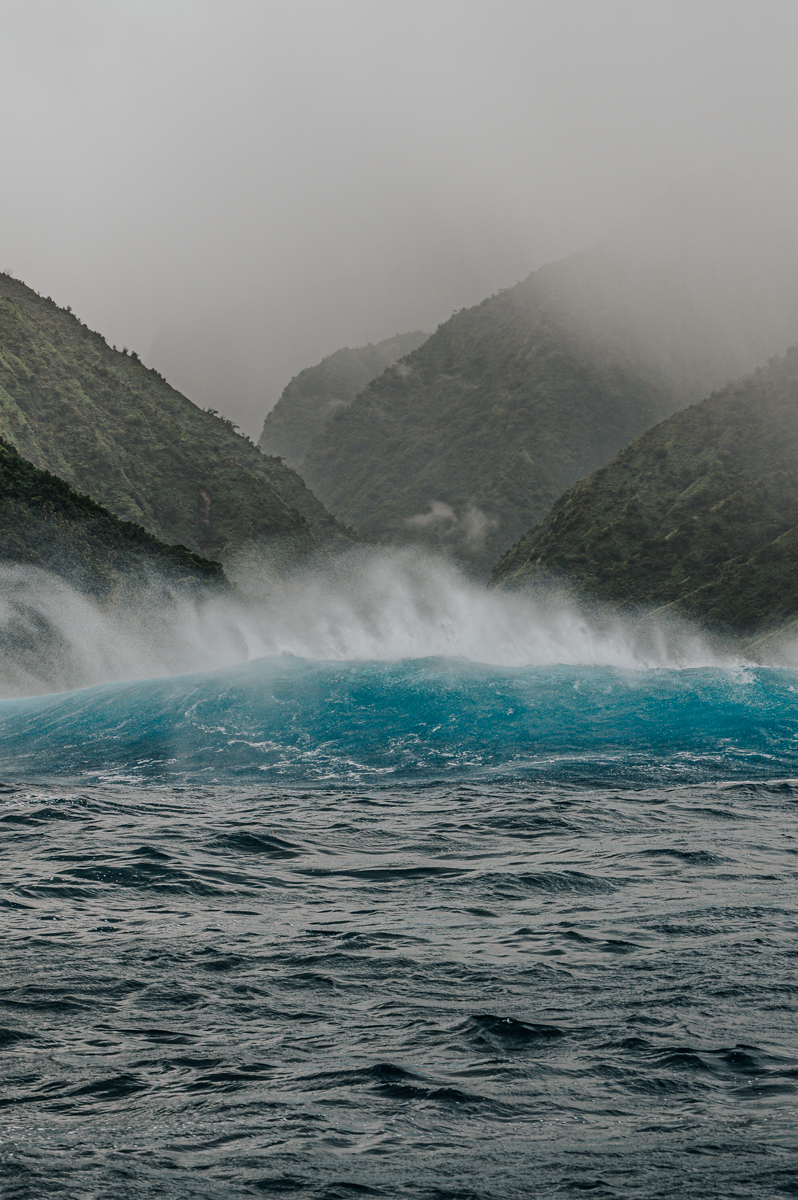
(471,529)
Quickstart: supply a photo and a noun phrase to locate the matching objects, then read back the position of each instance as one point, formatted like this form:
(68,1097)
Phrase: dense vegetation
(313,396)
(45,523)
(700,513)
(469,440)
(115,430)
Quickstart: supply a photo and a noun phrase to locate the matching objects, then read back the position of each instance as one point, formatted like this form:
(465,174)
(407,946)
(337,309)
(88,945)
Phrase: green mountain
(312,398)
(45,523)
(700,513)
(114,429)
(468,441)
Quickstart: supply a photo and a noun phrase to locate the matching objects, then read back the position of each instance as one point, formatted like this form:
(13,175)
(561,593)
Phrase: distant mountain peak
(313,397)
(510,401)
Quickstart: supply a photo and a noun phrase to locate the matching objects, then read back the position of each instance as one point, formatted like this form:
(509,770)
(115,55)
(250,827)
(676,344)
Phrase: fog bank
(235,191)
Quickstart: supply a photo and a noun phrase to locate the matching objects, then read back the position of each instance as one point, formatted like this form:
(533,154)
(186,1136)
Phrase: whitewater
(371,881)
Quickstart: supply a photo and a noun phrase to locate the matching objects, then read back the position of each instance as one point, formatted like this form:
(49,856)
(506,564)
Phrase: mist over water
(376,664)
(378,606)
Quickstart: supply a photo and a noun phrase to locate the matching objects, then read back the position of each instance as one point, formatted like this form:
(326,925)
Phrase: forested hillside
(46,524)
(700,513)
(315,395)
(470,439)
(115,430)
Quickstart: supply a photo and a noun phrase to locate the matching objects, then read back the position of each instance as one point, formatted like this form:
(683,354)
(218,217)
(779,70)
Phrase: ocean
(392,888)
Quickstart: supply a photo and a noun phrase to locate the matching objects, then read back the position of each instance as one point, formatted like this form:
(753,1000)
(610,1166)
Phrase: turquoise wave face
(292,721)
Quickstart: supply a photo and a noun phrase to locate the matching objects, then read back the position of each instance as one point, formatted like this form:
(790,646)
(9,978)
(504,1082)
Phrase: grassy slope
(502,408)
(110,427)
(313,396)
(701,512)
(45,523)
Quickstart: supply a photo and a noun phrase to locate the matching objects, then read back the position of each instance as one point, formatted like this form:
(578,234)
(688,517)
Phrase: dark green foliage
(113,429)
(700,513)
(499,411)
(45,523)
(512,401)
(312,398)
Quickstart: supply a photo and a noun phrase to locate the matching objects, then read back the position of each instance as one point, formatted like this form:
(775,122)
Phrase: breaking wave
(363,607)
(290,720)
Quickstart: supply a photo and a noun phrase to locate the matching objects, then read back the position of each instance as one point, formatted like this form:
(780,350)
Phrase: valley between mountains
(611,426)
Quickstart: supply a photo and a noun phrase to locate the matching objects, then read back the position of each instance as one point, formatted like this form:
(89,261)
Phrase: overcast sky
(235,188)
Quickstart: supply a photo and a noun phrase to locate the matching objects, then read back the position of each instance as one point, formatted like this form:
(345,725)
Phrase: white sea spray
(366,605)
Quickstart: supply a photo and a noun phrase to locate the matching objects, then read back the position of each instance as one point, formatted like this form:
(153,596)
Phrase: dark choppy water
(425,930)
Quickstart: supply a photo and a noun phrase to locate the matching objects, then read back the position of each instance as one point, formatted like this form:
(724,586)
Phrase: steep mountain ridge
(46,524)
(471,437)
(311,398)
(468,440)
(699,514)
(114,429)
